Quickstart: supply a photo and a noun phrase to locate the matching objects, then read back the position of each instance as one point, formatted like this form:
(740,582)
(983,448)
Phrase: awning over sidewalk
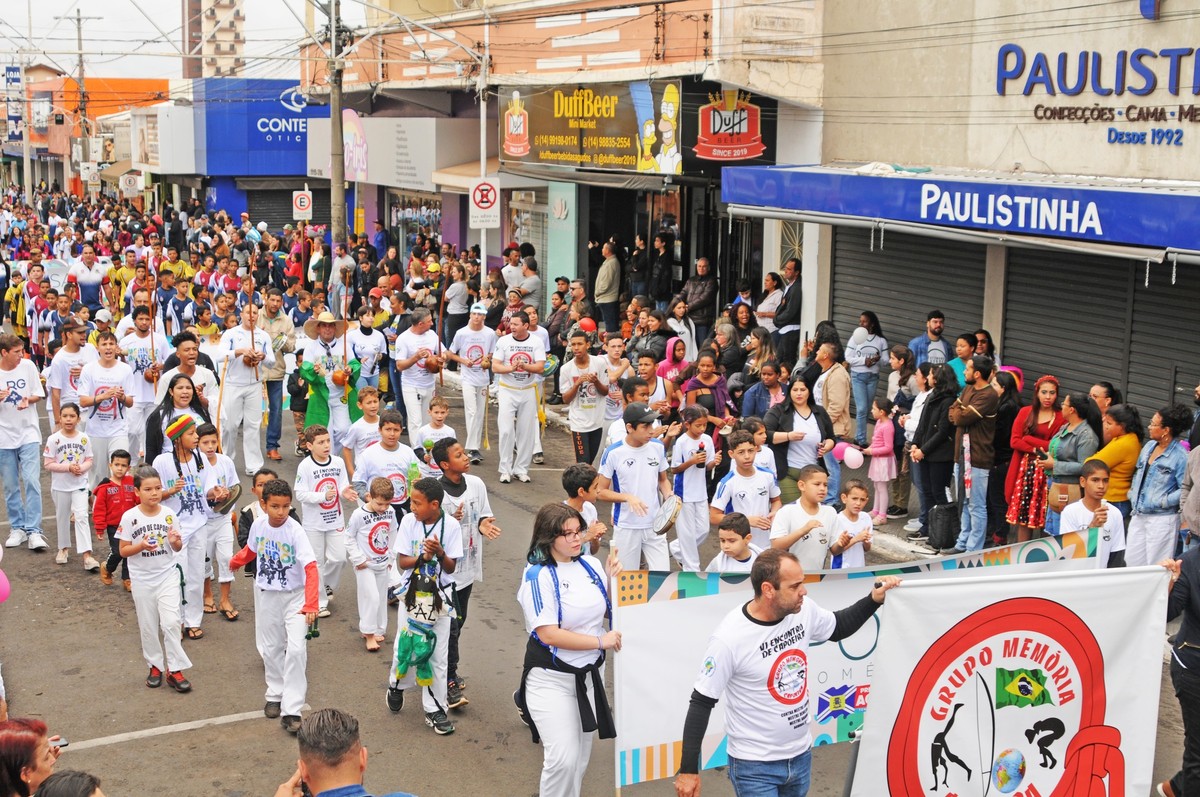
(1104,215)
(114,172)
(458,178)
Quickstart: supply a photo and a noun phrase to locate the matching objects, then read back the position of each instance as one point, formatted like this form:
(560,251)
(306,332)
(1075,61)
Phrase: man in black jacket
(786,336)
(700,293)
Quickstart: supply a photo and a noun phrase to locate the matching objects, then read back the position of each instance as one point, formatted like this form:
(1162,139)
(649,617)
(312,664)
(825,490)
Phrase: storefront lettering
(1025,213)
(584,107)
(1139,71)
(730,128)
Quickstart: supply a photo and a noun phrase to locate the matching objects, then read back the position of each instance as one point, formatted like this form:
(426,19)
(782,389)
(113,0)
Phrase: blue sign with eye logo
(253,127)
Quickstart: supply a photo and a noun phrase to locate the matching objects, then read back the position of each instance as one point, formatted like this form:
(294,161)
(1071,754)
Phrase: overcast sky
(126,44)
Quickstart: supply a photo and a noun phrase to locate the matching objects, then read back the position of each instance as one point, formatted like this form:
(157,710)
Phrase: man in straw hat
(331,375)
(246,354)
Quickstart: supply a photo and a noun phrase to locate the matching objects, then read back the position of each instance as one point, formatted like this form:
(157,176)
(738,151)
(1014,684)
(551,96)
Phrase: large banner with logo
(1045,684)
(666,618)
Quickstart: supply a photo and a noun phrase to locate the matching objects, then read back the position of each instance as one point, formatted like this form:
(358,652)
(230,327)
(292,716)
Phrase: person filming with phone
(332,758)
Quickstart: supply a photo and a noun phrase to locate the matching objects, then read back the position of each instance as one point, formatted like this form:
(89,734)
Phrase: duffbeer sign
(730,128)
(989,689)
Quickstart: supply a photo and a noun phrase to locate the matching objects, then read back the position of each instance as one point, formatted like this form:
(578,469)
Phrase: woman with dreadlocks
(183,494)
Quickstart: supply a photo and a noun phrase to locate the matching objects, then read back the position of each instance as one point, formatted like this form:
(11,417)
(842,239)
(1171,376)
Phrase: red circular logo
(328,483)
(377,540)
(788,681)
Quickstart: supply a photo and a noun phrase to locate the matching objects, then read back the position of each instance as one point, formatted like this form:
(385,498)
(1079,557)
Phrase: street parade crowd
(160,344)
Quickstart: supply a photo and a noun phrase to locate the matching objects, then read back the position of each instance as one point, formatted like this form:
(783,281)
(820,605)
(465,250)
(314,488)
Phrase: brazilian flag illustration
(1021,688)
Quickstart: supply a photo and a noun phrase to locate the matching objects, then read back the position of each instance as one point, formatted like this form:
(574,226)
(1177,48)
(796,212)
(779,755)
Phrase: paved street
(70,654)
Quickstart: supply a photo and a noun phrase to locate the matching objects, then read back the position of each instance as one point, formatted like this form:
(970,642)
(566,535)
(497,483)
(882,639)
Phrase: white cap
(479,307)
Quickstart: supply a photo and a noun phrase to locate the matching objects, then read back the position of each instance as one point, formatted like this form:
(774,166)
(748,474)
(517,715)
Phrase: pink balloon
(4,588)
(853,458)
(839,450)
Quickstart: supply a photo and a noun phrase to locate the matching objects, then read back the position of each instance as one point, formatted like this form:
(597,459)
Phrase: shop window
(412,213)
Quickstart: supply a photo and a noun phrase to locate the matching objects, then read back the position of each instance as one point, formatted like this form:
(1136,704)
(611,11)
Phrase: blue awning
(1158,215)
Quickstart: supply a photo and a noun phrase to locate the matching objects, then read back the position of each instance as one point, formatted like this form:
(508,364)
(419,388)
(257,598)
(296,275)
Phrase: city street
(70,654)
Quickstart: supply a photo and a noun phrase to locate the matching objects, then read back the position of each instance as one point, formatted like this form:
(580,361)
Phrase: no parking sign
(485,205)
(302,202)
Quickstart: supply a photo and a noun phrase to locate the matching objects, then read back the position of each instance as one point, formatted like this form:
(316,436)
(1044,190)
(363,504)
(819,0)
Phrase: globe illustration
(1008,771)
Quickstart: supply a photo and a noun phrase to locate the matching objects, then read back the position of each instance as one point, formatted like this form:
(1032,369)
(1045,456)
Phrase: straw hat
(326,317)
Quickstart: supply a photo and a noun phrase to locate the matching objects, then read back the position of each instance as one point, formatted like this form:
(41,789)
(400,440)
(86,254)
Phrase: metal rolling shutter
(275,207)
(1164,361)
(1067,315)
(902,280)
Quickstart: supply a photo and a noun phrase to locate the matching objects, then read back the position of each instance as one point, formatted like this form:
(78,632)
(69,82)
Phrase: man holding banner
(758,656)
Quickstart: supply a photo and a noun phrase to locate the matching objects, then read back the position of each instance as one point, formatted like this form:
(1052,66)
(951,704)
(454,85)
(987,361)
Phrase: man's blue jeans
(367,381)
(835,478)
(864,386)
(274,413)
(788,777)
(974,512)
(22,466)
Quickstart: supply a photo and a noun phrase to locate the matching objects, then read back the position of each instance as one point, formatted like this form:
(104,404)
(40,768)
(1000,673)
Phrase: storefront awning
(634,181)
(1121,218)
(113,173)
(459,178)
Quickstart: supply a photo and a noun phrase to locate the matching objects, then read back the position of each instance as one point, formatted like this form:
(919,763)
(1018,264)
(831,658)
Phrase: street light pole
(337,155)
(483,106)
(27,109)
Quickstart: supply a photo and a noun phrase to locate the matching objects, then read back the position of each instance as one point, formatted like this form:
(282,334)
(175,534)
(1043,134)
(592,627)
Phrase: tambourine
(668,511)
(226,506)
(551,365)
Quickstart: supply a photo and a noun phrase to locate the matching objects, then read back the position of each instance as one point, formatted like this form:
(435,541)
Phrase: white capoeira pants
(135,420)
(1150,539)
(631,544)
(279,630)
(691,529)
(191,558)
(330,549)
(218,548)
(474,402)
(554,708)
(157,608)
(339,424)
(67,502)
(241,407)
(372,600)
(102,448)
(433,697)
(517,421)
(416,405)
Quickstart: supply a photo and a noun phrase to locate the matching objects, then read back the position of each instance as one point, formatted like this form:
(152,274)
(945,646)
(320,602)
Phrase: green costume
(318,394)
(414,648)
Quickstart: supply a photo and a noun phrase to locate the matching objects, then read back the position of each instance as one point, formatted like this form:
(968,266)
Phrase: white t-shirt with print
(1077,517)
(189,503)
(371,537)
(20,427)
(855,555)
(511,351)
(410,541)
(156,564)
(750,495)
(72,450)
(812,548)
(106,419)
(282,553)
(362,433)
(471,346)
(691,485)
(578,599)
(476,506)
(394,466)
(634,471)
(761,672)
(586,410)
(409,343)
(59,375)
(313,480)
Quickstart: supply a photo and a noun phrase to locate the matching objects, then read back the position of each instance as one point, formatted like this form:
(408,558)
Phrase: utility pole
(84,126)
(337,155)
(26,108)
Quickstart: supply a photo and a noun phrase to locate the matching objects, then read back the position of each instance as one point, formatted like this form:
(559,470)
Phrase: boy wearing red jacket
(113,497)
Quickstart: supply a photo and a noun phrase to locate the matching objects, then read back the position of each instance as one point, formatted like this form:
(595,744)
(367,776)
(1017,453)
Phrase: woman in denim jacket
(1157,488)
(1076,441)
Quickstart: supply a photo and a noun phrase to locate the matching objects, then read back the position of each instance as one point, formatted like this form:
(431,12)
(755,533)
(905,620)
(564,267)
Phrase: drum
(551,366)
(665,517)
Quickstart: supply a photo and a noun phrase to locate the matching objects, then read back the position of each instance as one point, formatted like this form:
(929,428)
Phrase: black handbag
(944,526)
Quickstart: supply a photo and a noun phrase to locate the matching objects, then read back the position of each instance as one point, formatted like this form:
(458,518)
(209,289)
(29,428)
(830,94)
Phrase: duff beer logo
(730,128)
(516,127)
(1010,700)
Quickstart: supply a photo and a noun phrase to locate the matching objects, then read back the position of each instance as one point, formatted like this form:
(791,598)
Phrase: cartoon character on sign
(1014,673)
(669,159)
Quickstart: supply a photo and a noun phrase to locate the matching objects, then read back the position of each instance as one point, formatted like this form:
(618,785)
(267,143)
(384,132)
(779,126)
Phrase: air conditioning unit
(524,197)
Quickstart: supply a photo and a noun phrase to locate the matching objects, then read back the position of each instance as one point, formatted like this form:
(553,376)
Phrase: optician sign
(255,127)
(1143,218)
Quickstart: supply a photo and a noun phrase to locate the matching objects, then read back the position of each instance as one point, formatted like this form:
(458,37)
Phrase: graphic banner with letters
(665,620)
(1044,684)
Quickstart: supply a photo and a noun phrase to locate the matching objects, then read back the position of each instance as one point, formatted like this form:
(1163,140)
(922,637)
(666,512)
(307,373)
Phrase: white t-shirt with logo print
(106,419)
(813,548)
(154,565)
(371,538)
(634,471)
(72,450)
(282,553)
(761,671)
(750,495)
(1077,517)
(586,410)
(313,481)
(511,351)
(472,345)
(59,375)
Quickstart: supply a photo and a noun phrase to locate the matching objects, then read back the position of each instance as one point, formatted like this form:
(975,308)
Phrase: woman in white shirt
(910,422)
(682,326)
(863,353)
(772,296)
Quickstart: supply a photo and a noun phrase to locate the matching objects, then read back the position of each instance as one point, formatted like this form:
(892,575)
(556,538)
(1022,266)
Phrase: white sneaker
(61,557)
(15,539)
(37,542)
(913,525)
(89,563)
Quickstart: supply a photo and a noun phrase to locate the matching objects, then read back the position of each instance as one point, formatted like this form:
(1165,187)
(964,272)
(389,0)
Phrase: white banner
(666,619)
(989,688)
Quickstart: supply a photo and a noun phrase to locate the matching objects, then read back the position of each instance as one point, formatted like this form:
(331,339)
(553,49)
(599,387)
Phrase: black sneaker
(395,699)
(917,536)
(454,696)
(476,457)
(440,723)
(520,711)
(272,709)
(951,551)
(290,723)
(154,679)
(176,681)
(300,452)
(896,511)
(328,591)
(538,459)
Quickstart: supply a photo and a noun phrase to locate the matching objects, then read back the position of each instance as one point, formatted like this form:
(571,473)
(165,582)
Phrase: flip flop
(230,614)
(195,633)
(210,608)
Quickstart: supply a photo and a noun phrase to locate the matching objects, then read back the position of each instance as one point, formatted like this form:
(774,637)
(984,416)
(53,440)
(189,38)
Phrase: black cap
(638,413)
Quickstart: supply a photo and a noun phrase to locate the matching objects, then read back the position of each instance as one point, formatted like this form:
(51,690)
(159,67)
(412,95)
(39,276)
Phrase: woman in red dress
(1031,432)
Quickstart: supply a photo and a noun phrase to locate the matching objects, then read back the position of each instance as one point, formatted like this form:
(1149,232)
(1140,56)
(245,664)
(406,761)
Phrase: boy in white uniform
(220,476)
(246,356)
(145,352)
(472,349)
(414,346)
(287,585)
(745,489)
(583,384)
(853,529)
(692,458)
(1091,511)
(390,460)
(321,484)
(62,377)
(737,552)
(805,526)
(428,548)
(633,477)
(363,433)
(150,540)
(466,500)
(371,538)
(106,391)
(428,435)
(518,362)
